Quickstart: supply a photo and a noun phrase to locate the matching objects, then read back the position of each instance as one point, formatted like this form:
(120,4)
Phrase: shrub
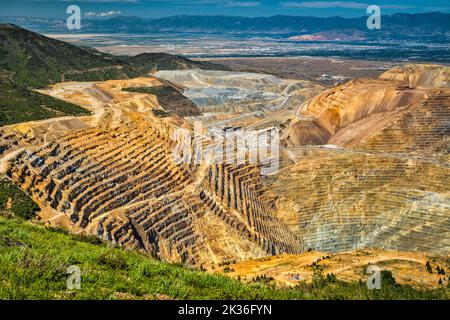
(16,201)
(429,268)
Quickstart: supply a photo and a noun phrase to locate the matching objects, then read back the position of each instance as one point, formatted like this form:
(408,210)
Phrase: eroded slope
(239,98)
(113,175)
(366,165)
(420,75)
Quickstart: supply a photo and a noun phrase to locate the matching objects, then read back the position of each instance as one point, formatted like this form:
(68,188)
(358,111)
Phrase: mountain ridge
(397,26)
(37,60)
(150,62)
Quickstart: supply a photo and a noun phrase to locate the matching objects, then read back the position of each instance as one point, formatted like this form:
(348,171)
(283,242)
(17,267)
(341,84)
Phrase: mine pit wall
(423,129)
(121,184)
(384,181)
(436,76)
(347,200)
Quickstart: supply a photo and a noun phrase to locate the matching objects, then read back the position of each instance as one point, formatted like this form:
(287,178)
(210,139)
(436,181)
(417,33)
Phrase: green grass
(156,90)
(34,260)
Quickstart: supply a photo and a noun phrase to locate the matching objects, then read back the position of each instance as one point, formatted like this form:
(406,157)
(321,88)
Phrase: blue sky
(250,8)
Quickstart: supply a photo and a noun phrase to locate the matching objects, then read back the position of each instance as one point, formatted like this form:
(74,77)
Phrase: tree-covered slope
(30,60)
(20,104)
(150,62)
(36,60)
(170,99)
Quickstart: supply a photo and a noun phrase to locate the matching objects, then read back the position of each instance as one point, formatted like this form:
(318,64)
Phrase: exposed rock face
(425,75)
(171,100)
(365,165)
(219,92)
(338,200)
(152,62)
(375,115)
(378,175)
(115,177)
(408,268)
(347,114)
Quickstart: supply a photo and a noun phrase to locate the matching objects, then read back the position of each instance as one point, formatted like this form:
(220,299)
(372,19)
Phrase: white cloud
(243,3)
(396,6)
(339,4)
(92,14)
(325,4)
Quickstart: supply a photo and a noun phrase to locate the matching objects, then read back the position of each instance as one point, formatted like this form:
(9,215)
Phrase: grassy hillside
(150,62)
(36,60)
(34,261)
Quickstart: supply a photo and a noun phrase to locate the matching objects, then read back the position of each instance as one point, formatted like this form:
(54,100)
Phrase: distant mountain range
(433,26)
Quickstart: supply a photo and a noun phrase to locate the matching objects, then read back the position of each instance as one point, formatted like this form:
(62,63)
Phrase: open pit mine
(363,166)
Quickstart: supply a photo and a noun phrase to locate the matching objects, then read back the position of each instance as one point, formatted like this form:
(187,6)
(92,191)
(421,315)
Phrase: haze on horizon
(95,9)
